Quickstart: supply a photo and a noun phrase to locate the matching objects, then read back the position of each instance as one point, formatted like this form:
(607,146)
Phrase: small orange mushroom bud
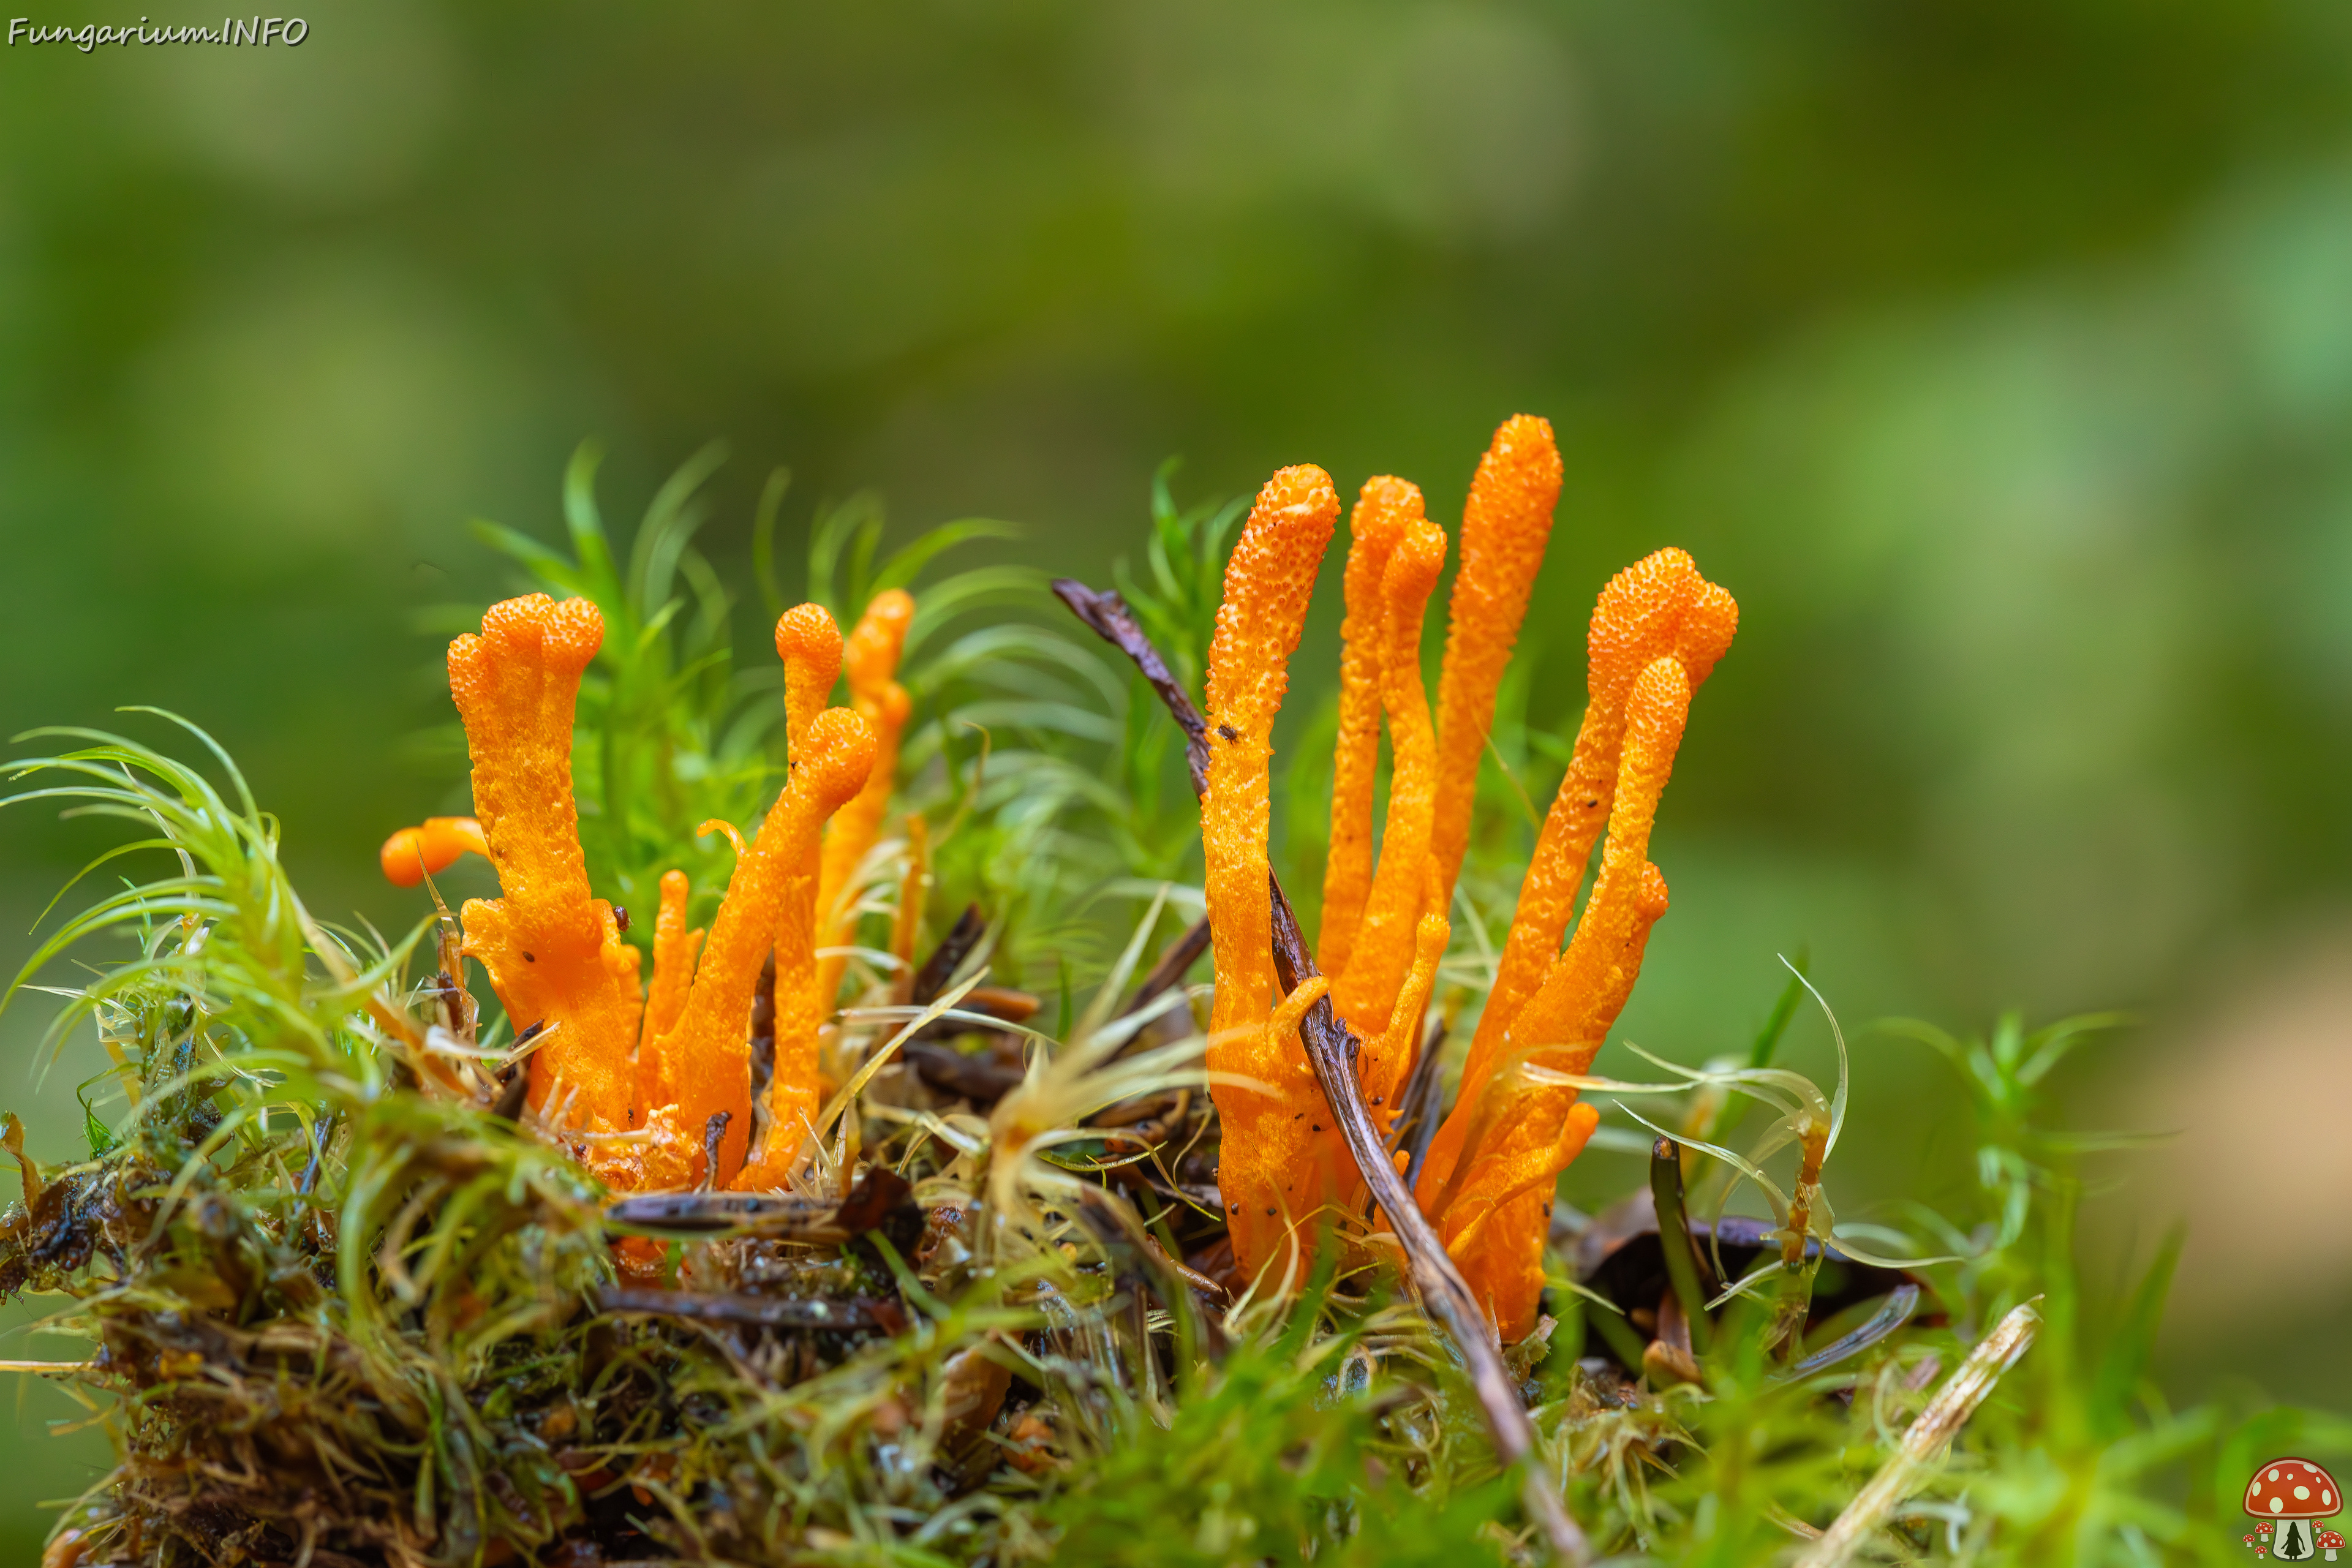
(1268,581)
(709,1049)
(1384,509)
(907,925)
(1504,526)
(412,853)
(1367,992)
(871,657)
(554,954)
(675,948)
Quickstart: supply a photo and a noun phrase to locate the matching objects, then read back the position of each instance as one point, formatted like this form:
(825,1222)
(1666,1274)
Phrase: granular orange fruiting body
(554,954)
(1657,630)
(1384,509)
(1267,1149)
(412,853)
(675,949)
(1366,991)
(709,1049)
(871,657)
(1504,526)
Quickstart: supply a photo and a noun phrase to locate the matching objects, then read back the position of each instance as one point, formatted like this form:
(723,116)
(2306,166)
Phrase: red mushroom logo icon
(2290,1495)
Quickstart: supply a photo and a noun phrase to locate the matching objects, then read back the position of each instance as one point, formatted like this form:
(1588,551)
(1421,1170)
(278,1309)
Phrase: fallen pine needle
(1925,1443)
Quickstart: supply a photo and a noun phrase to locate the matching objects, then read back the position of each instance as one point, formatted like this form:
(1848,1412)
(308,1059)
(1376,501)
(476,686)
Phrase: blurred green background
(1997,357)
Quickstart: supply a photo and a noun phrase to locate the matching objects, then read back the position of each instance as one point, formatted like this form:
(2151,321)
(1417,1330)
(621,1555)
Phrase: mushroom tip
(566,632)
(1414,565)
(411,855)
(842,746)
(403,859)
(808,632)
(1526,439)
(1301,488)
(1385,496)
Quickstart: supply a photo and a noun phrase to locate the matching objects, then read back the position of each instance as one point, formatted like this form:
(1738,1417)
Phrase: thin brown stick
(948,957)
(1331,1052)
(1107,617)
(758,1312)
(1418,1106)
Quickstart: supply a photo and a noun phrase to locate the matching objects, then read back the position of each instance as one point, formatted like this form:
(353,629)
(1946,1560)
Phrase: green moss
(337,1305)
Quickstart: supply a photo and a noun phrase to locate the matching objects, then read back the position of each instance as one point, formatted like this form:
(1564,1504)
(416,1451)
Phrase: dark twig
(1331,1051)
(512,1091)
(1418,1111)
(980,1078)
(1000,1002)
(1174,960)
(1114,1222)
(953,948)
(782,1216)
(1107,617)
(714,1134)
(763,1032)
(759,1311)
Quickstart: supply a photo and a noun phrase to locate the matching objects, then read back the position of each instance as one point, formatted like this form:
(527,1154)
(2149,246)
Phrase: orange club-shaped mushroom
(1656,633)
(644,1081)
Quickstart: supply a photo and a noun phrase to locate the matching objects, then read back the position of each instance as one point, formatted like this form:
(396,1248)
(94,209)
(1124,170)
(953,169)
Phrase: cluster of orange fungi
(634,1074)
(637,1073)
(1657,631)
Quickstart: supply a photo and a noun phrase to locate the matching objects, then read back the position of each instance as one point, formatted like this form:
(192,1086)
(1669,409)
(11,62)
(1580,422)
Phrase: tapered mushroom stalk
(838,762)
(1380,953)
(554,954)
(1274,1169)
(675,950)
(1504,526)
(870,659)
(1383,510)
